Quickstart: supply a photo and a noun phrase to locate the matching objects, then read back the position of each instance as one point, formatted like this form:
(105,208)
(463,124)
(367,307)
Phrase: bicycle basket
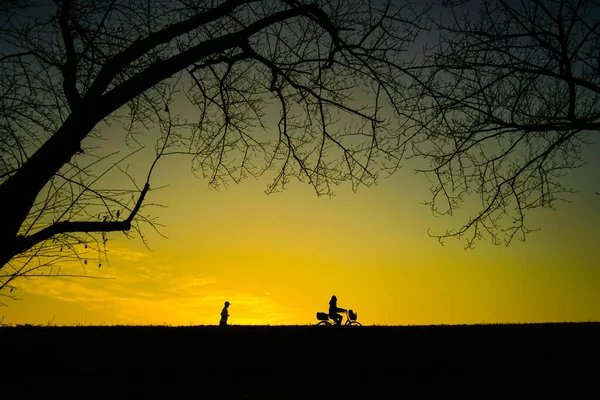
(352,315)
(321,316)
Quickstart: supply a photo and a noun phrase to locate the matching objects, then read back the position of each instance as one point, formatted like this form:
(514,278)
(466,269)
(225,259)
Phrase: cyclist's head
(333,298)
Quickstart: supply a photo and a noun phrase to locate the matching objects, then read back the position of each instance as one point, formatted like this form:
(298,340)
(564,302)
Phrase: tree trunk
(19,192)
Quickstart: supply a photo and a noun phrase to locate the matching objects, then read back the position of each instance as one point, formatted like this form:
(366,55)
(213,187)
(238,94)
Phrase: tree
(506,100)
(71,67)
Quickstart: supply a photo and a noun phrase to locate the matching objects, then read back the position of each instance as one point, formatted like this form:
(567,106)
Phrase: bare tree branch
(70,68)
(509,97)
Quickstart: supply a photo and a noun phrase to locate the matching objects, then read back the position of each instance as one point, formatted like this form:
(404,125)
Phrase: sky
(279,258)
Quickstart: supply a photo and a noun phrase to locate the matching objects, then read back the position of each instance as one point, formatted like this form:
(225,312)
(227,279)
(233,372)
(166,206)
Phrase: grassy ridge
(257,361)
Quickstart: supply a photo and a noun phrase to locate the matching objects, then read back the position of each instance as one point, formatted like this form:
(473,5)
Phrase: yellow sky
(279,258)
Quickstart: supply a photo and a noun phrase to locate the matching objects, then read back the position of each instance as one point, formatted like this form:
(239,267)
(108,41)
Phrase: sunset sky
(279,258)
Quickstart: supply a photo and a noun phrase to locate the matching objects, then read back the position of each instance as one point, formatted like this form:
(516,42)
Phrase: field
(280,362)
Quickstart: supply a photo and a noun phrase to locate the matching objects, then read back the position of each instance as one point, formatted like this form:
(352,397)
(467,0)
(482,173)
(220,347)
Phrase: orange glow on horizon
(279,258)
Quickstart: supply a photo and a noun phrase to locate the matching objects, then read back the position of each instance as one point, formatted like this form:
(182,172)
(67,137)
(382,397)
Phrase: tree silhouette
(72,67)
(505,101)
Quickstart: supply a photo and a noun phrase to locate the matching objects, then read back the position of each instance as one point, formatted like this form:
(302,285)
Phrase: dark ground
(250,362)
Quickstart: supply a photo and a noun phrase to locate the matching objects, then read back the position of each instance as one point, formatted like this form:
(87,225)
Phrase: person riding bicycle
(334,309)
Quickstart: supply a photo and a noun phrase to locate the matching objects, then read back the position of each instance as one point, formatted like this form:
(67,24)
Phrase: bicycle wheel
(324,323)
(355,323)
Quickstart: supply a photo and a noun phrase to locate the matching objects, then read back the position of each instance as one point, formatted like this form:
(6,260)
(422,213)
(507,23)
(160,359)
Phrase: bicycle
(350,319)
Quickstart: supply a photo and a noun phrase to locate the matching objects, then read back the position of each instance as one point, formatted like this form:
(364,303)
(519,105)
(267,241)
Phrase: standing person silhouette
(333,311)
(224,314)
